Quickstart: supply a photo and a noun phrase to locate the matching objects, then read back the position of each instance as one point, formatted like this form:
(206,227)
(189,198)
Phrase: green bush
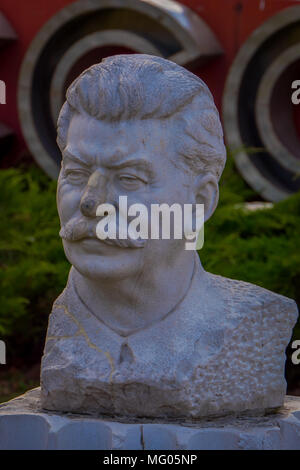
(33,269)
(261,247)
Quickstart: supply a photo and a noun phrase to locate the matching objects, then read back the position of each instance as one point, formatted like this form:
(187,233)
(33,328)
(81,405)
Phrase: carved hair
(140,86)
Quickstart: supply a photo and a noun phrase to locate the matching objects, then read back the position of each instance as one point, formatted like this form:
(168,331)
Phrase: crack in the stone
(142,437)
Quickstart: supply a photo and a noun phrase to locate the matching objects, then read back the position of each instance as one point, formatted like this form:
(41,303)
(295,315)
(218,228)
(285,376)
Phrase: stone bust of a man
(141,329)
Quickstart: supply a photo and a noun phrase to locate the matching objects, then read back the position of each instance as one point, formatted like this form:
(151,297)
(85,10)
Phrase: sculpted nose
(94,195)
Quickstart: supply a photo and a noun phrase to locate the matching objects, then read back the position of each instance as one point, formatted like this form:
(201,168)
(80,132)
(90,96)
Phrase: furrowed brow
(68,156)
(139,164)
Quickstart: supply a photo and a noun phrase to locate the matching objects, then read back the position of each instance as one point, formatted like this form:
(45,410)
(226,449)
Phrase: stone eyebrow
(136,163)
(75,158)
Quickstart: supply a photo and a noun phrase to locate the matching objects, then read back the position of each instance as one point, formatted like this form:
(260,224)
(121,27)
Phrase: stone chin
(97,260)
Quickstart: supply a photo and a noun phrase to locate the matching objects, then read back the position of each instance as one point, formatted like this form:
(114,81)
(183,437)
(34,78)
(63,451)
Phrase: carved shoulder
(246,298)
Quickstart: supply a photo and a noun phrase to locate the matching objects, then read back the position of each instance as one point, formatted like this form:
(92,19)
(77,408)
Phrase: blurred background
(248,53)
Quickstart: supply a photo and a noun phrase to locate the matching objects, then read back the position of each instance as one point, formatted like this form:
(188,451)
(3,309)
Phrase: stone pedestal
(24,425)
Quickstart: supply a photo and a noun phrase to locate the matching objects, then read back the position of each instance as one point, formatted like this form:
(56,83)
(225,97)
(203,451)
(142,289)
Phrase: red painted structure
(232,21)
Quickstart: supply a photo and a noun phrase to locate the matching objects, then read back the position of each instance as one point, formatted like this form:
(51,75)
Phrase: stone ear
(207,193)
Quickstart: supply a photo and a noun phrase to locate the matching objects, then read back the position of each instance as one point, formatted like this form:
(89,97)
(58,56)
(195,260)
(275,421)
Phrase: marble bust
(143,330)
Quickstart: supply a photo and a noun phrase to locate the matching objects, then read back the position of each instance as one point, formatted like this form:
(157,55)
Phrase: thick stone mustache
(78,229)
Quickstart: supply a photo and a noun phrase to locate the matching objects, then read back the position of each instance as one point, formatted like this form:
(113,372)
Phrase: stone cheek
(235,366)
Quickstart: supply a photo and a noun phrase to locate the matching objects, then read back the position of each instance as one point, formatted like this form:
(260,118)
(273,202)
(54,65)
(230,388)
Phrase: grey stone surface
(25,425)
(141,328)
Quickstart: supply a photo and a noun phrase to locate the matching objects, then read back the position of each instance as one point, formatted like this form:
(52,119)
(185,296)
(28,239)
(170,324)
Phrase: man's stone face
(103,161)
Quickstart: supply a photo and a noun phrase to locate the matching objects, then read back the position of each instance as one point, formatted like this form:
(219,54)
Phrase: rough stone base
(24,425)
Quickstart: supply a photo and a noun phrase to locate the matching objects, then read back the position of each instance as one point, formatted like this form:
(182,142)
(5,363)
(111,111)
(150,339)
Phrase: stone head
(142,127)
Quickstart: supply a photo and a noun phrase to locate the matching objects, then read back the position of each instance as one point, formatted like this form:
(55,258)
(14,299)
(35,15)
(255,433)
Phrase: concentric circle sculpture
(261,122)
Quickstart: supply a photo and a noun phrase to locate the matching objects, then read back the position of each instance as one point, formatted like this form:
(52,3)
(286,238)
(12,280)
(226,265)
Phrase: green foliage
(261,247)
(33,268)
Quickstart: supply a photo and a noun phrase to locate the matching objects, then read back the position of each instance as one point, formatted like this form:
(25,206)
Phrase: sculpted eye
(131,181)
(127,178)
(76,176)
